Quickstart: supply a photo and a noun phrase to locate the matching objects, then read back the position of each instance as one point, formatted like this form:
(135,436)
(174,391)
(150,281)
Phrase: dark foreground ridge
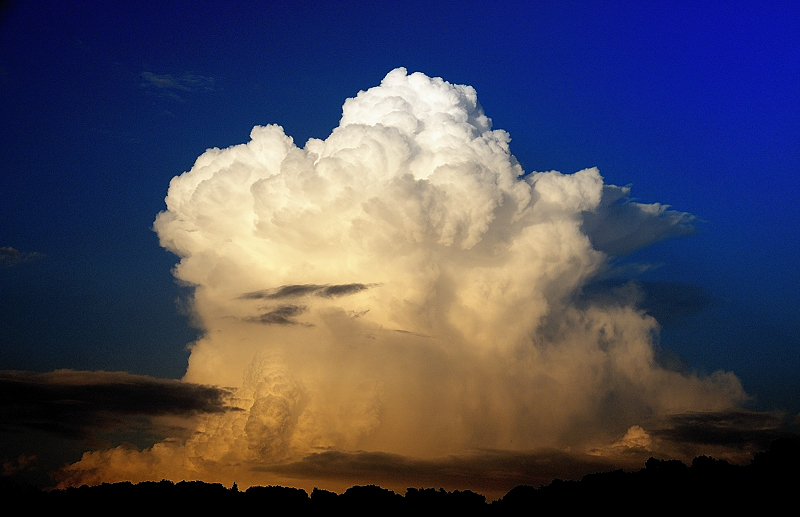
(708,484)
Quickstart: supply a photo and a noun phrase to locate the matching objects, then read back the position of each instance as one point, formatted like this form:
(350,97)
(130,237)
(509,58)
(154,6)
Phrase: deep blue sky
(692,104)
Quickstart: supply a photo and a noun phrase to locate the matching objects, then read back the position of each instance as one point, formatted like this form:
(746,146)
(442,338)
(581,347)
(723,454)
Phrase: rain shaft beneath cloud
(403,286)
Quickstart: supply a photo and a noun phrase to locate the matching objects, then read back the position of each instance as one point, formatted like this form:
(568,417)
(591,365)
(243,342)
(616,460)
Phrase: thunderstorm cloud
(403,293)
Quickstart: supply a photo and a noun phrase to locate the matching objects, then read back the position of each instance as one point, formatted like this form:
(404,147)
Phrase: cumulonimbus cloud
(403,287)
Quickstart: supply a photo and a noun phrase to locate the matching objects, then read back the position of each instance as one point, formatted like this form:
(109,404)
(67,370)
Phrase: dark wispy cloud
(667,302)
(11,257)
(76,404)
(298,290)
(332,291)
(286,314)
(173,85)
(282,315)
(733,429)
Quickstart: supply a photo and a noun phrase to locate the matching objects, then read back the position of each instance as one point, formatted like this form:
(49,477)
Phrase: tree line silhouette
(707,485)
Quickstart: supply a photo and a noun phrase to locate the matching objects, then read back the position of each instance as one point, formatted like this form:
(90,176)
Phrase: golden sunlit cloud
(404,288)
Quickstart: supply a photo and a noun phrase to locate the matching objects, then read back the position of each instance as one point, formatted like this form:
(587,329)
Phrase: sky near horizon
(445,294)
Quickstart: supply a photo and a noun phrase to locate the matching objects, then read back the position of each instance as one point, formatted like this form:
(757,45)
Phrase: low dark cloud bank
(733,429)
(77,404)
(488,471)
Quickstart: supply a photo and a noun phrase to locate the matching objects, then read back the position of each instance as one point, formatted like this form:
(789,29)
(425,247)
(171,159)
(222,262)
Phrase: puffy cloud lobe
(404,287)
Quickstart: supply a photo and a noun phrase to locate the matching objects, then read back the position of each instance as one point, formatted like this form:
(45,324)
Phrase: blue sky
(694,105)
